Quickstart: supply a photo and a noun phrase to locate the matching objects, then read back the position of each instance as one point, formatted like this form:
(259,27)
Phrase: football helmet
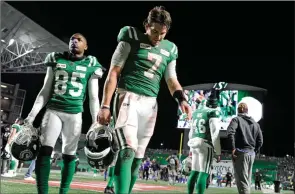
(212,101)
(100,146)
(26,144)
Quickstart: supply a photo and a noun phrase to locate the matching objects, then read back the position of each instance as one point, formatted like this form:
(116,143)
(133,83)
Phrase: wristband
(105,107)
(178,95)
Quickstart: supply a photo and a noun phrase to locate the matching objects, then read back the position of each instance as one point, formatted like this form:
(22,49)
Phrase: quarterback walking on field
(203,139)
(68,75)
(138,64)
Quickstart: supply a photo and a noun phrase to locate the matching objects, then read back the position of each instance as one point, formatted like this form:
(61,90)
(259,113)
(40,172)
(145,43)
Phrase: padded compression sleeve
(121,54)
(170,71)
(93,90)
(43,96)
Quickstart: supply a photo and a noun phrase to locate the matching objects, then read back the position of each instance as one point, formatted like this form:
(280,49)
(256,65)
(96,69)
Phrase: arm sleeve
(121,54)
(231,131)
(214,124)
(43,95)
(93,89)
(170,71)
(190,134)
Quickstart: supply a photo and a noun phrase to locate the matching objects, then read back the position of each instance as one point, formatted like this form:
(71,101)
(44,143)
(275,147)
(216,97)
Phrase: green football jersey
(200,124)
(202,104)
(145,64)
(70,81)
(17,127)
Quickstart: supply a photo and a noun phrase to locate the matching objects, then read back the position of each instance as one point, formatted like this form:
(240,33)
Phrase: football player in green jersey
(64,90)
(137,67)
(203,139)
(15,128)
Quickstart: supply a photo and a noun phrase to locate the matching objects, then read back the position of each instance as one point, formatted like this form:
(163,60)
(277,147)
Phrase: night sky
(238,42)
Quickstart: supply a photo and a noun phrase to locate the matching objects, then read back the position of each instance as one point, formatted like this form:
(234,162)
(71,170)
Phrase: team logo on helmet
(99,146)
(26,145)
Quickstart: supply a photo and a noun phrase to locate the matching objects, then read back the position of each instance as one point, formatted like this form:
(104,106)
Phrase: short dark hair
(78,33)
(159,15)
(242,108)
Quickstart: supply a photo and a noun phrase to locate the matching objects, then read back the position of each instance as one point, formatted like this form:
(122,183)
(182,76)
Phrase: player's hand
(234,156)
(185,108)
(104,116)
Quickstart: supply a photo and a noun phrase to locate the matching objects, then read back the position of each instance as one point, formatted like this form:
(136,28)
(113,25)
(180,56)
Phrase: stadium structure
(24,46)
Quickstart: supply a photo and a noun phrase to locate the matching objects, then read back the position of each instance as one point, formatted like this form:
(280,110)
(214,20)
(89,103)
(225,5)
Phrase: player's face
(156,32)
(77,44)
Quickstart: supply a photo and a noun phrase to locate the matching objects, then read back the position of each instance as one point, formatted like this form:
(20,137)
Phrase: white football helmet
(101,146)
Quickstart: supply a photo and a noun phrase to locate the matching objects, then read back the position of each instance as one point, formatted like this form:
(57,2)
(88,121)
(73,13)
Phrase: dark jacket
(244,133)
(258,176)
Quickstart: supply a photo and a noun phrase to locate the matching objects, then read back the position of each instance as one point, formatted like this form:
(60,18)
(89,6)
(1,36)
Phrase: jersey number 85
(61,80)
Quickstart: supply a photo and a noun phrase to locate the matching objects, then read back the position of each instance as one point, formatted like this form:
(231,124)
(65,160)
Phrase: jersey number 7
(156,59)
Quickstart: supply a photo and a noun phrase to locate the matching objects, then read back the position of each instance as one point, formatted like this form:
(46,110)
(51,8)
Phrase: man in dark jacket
(229,176)
(258,177)
(246,139)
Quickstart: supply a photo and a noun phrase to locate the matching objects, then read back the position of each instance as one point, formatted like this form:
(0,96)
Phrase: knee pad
(126,154)
(45,151)
(68,158)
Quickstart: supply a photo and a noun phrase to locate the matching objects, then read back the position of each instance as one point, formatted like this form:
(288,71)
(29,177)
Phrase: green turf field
(85,183)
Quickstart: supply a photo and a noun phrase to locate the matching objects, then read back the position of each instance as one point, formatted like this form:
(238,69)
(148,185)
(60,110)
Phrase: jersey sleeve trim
(50,59)
(92,61)
(132,33)
(98,72)
(127,33)
(174,50)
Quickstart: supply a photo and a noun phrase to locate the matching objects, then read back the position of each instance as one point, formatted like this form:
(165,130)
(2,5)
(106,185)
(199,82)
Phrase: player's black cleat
(109,190)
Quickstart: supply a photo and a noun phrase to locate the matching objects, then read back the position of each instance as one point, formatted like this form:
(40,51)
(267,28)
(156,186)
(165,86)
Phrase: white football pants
(136,118)
(202,159)
(56,122)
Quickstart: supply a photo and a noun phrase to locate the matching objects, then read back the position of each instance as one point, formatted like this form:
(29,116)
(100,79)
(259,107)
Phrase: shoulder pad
(128,34)
(98,69)
(173,50)
(14,126)
(214,114)
(52,57)
(93,61)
